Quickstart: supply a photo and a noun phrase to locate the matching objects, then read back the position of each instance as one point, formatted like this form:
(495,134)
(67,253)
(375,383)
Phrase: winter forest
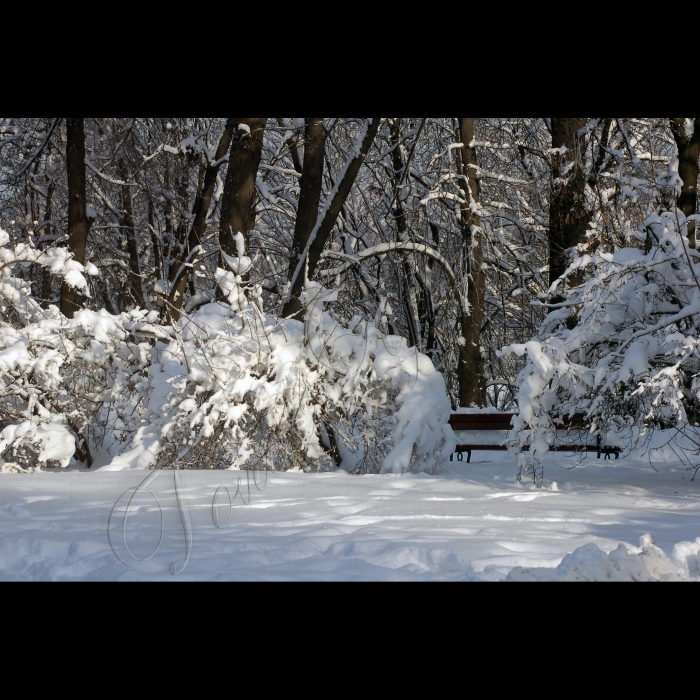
(319,298)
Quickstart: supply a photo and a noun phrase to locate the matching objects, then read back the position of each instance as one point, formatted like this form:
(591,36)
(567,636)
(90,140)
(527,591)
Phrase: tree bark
(324,226)
(568,218)
(238,201)
(129,228)
(343,190)
(190,253)
(293,150)
(78,222)
(156,243)
(472,382)
(399,213)
(311,186)
(47,278)
(689,158)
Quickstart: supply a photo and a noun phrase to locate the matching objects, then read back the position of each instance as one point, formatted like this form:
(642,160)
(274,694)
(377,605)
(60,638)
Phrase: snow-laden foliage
(623,348)
(227,387)
(233,388)
(39,420)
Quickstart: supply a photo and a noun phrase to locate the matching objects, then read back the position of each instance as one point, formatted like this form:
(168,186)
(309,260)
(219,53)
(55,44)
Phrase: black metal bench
(501,422)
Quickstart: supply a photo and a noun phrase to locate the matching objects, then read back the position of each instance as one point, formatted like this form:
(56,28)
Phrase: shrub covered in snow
(233,388)
(38,419)
(623,348)
(227,387)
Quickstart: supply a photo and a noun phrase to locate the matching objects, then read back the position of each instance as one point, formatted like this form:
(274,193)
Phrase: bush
(623,348)
(225,388)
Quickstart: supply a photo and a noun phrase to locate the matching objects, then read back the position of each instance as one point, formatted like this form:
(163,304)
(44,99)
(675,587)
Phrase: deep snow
(472,522)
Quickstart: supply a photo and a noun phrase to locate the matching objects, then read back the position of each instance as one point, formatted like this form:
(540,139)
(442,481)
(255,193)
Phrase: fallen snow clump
(648,563)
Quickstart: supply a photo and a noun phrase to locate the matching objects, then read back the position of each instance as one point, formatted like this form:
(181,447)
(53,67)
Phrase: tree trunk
(324,227)
(311,185)
(399,213)
(689,157)
(156,243)
(190,253)
(129,228)
(431,341)
(47,278)
(293,150)
(342,192)
(472,383)
(568,218)
(78,223)
(238,202)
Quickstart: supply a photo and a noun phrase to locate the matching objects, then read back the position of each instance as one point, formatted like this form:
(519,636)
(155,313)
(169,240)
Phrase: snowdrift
(648,563)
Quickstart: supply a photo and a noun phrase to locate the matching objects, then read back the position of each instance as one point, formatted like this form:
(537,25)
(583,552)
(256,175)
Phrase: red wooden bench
(483,429)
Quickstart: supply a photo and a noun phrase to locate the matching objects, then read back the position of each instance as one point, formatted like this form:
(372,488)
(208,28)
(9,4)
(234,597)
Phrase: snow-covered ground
(472,522)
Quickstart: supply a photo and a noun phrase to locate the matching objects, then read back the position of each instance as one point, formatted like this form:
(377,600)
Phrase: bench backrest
(502,421)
